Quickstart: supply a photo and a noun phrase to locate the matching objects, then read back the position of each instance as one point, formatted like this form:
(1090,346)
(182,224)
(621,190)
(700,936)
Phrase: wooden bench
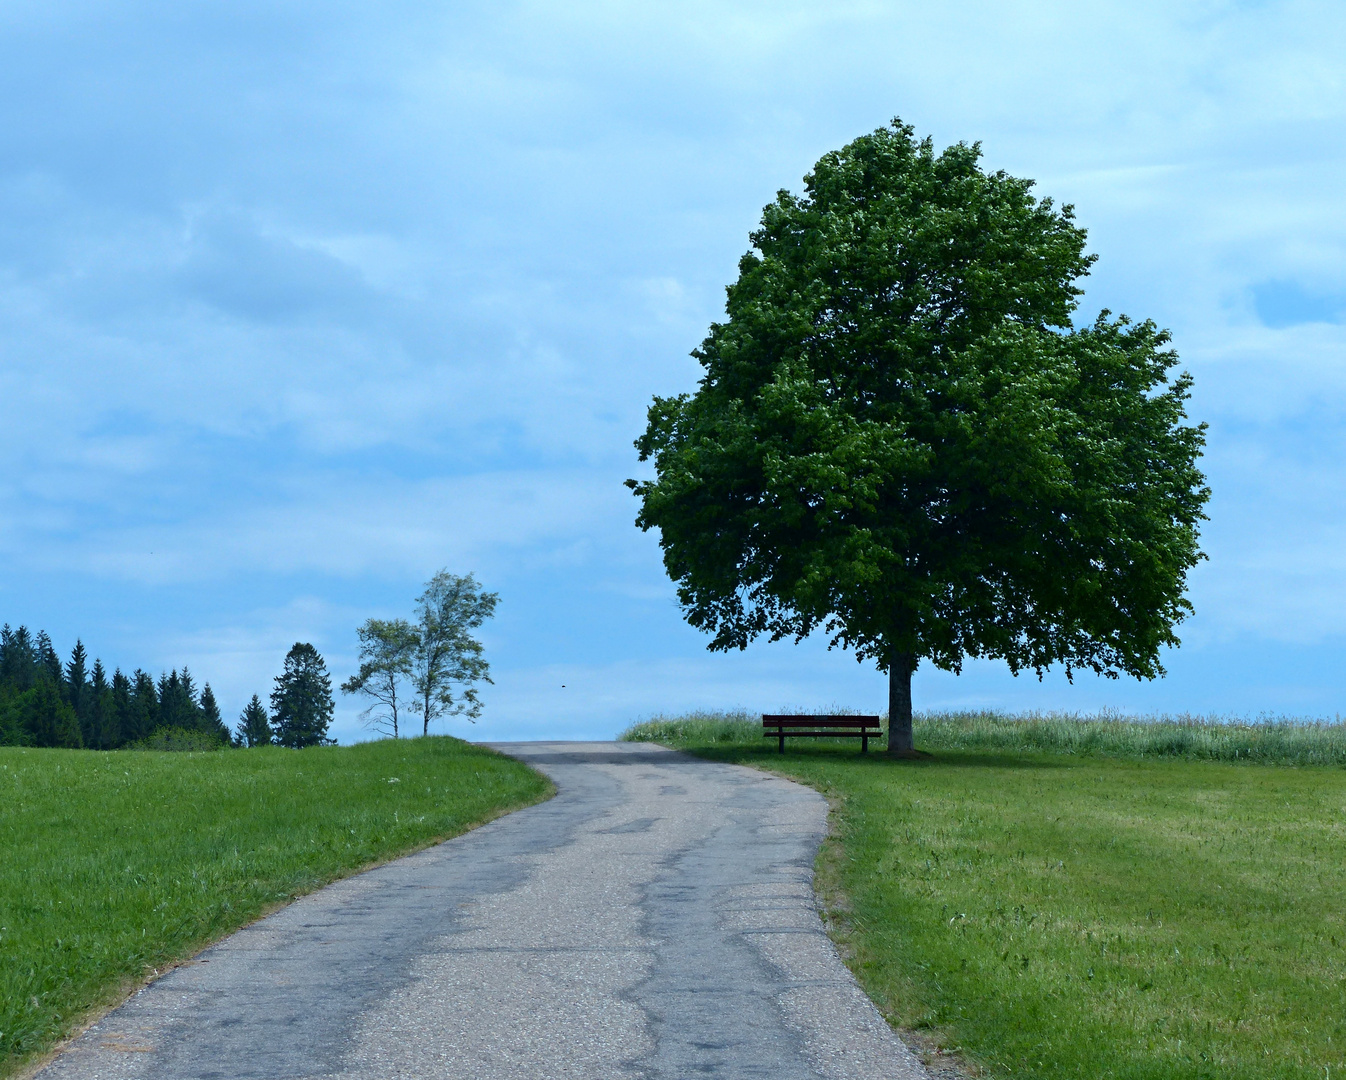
(863,728)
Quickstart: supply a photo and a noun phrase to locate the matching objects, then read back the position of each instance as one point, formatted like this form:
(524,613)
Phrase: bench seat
(783,726)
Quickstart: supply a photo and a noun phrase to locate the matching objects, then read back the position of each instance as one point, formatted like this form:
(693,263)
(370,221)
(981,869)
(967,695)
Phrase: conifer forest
(47,702)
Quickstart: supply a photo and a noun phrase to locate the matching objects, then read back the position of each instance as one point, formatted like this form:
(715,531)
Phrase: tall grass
(698,728)
(1280,741)
(1273,741)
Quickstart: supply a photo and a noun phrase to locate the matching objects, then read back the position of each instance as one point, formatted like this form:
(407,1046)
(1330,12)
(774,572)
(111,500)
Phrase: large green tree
(301,703)
(901,438)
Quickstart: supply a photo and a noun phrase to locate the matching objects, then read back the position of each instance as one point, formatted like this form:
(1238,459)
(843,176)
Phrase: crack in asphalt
(655,920)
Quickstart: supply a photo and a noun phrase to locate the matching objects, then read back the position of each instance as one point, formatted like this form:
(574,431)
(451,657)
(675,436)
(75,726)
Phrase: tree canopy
(901,438)
(448,661)
(301,703)
(387,650)
(254,725)
(437,657)
(46,703)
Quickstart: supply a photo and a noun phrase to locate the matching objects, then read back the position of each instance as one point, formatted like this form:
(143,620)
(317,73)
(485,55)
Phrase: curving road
(655,920)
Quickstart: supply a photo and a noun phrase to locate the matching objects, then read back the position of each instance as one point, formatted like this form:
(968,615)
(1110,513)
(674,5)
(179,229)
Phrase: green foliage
(254,725)
(448,660)
(39,716)
(1064,916)
(192,740)
(43,703)
(901,439)
(50,720)
(211,722)
(301,703)
(388,649)
(142,714)
(179,706)
(181,849)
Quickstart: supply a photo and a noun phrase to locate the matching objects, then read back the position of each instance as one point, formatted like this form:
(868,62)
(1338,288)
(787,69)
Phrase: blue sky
(300,303)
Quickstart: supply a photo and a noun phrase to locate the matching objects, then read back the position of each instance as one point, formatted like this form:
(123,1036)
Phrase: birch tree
(387,651)
(448,660)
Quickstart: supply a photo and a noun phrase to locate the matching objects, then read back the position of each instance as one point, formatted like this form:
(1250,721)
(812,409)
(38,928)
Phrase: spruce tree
(211,721)
(49,719)
(105,713)
(119,723)
(77,677)
(254,725)
(189,704)
(11,728)
(301,703)
(48,661)
(143,714)
(95,715)
(171,712)
(18,658)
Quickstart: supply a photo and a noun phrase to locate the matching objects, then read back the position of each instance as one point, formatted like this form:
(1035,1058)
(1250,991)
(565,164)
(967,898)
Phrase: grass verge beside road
(115,864)
(1103,913)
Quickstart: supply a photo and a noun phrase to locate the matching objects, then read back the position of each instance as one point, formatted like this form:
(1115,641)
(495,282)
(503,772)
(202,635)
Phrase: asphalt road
(654,920)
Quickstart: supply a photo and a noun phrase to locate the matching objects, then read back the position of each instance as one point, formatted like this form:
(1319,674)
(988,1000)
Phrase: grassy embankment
(115,864)
(1064,898)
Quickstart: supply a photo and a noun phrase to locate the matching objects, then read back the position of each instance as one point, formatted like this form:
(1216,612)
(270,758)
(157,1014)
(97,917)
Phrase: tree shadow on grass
(842,755)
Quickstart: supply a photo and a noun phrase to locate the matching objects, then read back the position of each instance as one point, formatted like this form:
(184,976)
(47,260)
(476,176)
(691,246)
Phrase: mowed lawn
(115,864)
(1086,916)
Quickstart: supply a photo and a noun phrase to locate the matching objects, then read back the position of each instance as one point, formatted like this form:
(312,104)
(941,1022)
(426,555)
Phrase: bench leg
(782,743)
(864,744)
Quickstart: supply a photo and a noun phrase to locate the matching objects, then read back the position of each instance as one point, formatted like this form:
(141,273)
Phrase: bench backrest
(787,721)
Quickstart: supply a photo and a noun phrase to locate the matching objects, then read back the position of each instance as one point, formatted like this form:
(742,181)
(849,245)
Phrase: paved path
(654,920)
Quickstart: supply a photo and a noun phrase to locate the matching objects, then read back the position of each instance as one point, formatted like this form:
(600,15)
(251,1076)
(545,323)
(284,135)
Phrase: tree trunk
(899,705)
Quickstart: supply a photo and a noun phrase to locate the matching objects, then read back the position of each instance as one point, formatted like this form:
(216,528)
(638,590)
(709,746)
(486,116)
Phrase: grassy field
(1137,907)
(115,864)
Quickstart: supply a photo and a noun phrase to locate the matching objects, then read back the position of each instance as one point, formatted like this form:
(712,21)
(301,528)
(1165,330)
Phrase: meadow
(1062,897)
(116,864)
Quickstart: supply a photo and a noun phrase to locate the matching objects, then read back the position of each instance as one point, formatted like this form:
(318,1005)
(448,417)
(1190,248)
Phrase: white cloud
(296,299)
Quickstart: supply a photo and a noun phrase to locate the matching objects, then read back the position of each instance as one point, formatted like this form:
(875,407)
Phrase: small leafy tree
(387,651)
(301,703)
(448,660)
(901,439)
(254,725)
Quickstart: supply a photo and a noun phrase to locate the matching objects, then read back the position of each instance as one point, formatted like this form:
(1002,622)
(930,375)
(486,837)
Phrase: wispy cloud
(298,305)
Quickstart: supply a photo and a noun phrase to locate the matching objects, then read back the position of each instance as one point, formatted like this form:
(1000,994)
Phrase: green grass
(1285,741)
(116,864)
(1132,909)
